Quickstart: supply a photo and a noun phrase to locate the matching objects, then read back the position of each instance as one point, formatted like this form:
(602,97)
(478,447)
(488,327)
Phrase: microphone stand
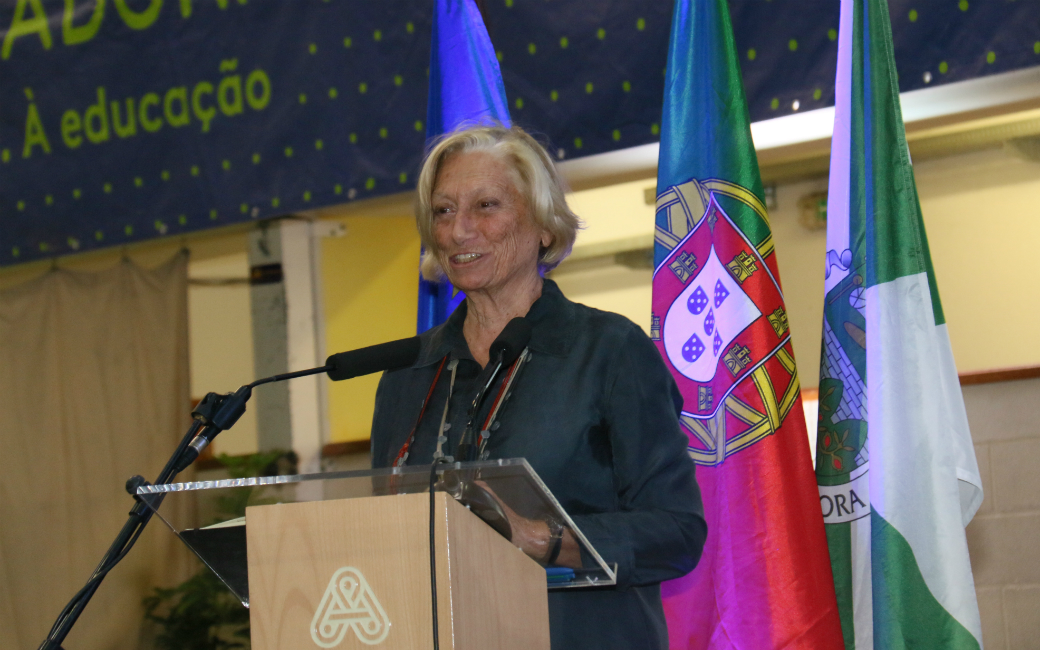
(215,413)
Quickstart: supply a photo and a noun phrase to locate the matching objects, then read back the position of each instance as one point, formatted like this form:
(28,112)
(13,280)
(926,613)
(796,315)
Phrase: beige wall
(982,211)
(612,214)
(1002,538)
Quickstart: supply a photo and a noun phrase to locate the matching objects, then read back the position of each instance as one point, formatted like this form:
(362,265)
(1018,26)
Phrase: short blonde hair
(536,179)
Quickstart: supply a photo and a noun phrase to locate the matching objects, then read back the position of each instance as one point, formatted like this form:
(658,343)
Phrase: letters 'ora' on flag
(720,323)
(465,86)
(895,463)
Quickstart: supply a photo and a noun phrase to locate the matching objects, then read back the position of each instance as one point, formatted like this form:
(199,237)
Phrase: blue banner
(123,120)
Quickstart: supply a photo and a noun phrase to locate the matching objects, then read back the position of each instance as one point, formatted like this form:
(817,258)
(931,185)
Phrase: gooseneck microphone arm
(221,412)
(216,413)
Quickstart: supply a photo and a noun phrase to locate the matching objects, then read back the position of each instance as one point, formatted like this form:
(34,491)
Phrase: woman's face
(486,238)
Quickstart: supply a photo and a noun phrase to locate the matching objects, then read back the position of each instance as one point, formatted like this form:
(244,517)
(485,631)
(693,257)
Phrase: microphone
(220,412)
(512,341)
(375,358)
(503,352)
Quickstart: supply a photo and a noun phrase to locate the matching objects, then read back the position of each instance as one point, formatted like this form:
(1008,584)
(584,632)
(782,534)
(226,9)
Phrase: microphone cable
(433,552)
(504,351)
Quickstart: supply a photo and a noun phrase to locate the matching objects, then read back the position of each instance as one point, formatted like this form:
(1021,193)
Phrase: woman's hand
(534,537)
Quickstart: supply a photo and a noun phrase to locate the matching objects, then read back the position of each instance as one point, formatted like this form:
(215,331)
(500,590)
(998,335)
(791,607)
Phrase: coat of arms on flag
(841,446)
(719,322)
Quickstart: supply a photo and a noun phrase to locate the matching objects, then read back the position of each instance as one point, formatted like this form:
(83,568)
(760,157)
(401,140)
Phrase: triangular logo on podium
(349,603)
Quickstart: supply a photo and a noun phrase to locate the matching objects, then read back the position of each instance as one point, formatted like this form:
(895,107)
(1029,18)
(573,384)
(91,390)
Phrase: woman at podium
(591,405)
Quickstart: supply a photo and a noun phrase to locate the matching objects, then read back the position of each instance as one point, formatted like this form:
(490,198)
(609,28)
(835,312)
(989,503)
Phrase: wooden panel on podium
(355,573)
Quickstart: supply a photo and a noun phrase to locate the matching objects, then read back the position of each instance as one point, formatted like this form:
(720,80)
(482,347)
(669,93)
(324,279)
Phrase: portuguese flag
(720,323)
(895,463)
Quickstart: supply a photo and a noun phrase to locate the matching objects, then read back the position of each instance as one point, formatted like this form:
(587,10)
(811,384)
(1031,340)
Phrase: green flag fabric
(895,464)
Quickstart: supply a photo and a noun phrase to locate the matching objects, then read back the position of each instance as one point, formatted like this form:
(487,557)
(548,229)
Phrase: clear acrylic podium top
(221,545)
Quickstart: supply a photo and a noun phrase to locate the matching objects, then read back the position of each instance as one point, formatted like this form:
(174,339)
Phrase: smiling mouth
(463,258)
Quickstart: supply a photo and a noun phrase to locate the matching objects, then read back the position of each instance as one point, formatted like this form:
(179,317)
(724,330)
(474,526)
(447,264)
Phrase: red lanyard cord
(499,394)
(402,455)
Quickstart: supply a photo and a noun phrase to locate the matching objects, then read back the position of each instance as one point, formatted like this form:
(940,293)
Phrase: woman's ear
(546,239)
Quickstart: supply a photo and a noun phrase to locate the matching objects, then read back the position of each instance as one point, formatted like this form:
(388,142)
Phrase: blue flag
(465,86)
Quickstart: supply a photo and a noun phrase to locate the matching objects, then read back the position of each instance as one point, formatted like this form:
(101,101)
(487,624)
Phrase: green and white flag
(895,463)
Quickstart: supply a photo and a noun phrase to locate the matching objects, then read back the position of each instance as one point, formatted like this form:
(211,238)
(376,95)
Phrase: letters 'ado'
(30,19)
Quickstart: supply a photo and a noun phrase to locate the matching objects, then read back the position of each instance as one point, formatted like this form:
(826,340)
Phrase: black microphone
(512,341)
(220,412)
(503,352)
(375,358)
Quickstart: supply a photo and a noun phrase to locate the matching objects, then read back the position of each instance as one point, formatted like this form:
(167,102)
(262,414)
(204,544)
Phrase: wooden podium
(353,573)
(342,560)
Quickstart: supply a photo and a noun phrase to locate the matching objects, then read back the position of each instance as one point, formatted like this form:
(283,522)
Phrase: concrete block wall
(1004,537)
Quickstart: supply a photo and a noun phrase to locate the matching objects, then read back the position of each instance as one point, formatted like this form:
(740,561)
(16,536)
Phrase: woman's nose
(462,227)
